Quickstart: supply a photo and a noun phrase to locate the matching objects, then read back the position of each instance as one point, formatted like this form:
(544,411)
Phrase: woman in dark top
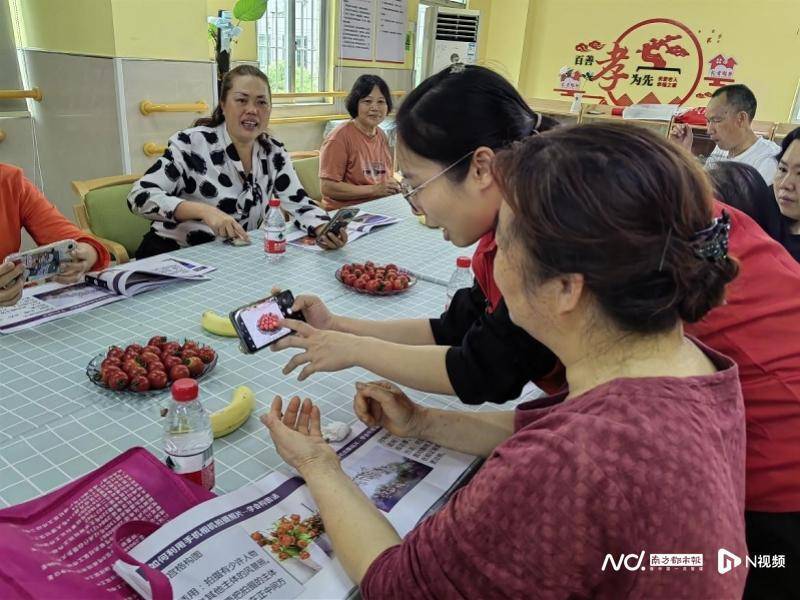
(787,193)
(446,156)
(772,207)
(643,454)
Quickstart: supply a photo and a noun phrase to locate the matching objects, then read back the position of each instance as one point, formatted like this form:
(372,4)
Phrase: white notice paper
(391,37)
(356,30)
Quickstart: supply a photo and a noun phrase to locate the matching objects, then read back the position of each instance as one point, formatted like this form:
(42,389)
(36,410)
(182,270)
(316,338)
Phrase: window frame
(291,49)
(794,117)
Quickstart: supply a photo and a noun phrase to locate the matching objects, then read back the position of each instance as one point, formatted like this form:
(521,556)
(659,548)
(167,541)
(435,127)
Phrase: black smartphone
(257,323)
(342,217)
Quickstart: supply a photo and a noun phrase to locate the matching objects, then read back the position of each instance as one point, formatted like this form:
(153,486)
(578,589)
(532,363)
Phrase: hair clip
(664,251)
(535,128)
(711,243)
(458,67)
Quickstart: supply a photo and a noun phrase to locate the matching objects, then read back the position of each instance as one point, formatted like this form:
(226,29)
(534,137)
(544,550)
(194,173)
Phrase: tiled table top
(55,425)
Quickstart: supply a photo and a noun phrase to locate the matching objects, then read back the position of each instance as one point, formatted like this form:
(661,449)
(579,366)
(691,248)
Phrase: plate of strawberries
(151,367)
(375,279)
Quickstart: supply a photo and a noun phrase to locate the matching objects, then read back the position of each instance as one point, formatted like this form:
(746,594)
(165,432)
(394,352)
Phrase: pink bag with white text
(63,544)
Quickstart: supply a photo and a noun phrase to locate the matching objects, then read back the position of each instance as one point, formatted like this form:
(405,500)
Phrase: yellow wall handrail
(35,94)
(152,149)
(146,107)
(328,94)
(308,119)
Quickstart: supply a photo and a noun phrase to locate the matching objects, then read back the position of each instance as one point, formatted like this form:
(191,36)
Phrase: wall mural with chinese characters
(656,61)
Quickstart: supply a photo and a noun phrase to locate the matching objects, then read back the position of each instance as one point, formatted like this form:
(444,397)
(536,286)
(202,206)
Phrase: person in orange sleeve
(22,205)
(355,162)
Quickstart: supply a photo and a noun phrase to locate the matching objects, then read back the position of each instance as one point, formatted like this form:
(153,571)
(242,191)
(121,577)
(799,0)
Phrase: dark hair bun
(622,206)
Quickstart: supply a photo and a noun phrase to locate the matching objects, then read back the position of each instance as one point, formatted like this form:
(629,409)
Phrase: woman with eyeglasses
(449,129)
(643,455)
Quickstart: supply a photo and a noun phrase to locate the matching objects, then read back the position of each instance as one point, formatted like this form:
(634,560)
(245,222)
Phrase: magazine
(140,276)
(360,226)
(50,301)
(231,547)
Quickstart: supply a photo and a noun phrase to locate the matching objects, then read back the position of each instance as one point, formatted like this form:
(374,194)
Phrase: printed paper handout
(50,301)
(267,540)
(360,226)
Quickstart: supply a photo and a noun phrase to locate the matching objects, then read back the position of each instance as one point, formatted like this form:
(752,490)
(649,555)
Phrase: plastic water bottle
(275,232)
(575,107)
(461,278)
(188,436)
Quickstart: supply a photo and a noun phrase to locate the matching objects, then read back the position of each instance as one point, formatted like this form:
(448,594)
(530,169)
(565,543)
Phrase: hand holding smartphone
(341,219)
(257,323)
(44,261)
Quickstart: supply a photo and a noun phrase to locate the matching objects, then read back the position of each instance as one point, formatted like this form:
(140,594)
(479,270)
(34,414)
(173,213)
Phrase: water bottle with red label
(188,436)
(274,232)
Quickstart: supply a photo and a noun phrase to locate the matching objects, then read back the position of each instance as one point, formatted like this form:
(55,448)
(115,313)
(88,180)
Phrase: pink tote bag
(62,545)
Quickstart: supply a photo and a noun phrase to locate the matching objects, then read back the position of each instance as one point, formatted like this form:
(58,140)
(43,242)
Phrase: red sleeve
(47,225)
(532,516)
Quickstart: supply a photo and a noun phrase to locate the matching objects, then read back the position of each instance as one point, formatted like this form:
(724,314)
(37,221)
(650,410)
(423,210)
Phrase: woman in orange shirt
(355,163)
(23,205)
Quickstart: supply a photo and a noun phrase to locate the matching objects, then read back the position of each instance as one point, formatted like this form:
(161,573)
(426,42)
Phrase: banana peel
(217,324)
(235,414)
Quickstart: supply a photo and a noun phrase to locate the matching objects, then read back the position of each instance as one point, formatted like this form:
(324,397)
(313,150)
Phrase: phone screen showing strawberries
(257,324)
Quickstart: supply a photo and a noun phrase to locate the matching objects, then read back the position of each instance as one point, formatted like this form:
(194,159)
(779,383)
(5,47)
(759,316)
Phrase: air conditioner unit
(451,35)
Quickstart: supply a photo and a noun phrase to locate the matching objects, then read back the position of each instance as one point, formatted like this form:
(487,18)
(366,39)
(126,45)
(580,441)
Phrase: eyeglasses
(409,192)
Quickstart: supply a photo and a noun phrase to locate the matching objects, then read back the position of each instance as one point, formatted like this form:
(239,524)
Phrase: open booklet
(43,303)
(363,224)
(266,539)
(140,276)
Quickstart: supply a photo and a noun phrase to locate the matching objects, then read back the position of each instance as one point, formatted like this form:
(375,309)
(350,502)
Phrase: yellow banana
(229,419)
(217,324)
(424,222)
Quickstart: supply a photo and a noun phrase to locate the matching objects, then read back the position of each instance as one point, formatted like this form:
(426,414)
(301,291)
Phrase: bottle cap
(463,261)
(275,202)
(185,390)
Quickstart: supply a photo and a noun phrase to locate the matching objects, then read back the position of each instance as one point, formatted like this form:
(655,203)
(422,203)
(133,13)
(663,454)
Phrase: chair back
(307,170)
(105,211)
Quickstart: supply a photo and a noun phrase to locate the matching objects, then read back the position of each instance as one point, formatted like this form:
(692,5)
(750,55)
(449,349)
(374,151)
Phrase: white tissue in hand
(336,431)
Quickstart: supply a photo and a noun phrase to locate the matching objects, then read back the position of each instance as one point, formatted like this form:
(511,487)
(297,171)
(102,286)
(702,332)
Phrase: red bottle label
(197,468)
(274,246)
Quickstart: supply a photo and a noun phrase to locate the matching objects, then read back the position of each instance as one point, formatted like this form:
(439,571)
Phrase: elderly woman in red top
(24,206)
(606,244)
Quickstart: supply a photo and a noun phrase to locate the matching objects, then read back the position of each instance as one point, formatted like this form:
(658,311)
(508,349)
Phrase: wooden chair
(782,130)
(300,154)
(103,212)
(557,109)
(765,129)
(592,113)
(307,170)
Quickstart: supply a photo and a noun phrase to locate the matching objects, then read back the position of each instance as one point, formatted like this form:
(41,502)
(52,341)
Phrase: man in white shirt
(730,115)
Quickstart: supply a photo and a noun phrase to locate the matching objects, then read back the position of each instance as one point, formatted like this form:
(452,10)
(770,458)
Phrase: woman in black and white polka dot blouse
(216,179)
